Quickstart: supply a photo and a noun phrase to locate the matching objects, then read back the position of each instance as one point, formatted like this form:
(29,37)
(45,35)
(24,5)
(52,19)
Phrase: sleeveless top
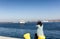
(40,31)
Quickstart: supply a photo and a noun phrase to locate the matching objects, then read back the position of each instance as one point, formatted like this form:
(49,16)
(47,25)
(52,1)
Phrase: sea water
(17,30)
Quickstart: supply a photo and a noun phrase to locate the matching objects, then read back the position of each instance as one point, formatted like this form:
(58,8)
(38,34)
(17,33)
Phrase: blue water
(51,30)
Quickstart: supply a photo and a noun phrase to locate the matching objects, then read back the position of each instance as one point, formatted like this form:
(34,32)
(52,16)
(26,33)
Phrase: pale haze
(13,10)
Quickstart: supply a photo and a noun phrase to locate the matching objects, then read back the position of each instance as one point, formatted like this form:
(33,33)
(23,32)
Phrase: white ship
(22,22)
(45,21)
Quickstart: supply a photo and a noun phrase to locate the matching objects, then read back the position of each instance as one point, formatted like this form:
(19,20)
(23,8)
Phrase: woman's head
(39,23)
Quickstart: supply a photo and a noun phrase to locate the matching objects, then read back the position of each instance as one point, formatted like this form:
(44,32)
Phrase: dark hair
(39,23)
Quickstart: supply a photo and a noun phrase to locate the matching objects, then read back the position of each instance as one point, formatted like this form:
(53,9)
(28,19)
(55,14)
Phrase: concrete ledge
(3,37)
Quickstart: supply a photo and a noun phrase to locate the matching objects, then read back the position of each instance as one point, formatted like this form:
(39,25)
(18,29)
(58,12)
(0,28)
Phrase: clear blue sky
(29,9)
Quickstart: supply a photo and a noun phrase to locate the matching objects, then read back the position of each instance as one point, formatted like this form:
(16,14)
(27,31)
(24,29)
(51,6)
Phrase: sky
(12,10)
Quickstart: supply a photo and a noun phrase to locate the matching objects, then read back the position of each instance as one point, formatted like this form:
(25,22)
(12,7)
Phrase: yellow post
(27,36)
(41,37)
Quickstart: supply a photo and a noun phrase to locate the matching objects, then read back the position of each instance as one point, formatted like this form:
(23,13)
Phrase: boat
(22,22)
(45,21)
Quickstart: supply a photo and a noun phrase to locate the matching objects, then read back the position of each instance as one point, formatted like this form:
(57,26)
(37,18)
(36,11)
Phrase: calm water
(51,30)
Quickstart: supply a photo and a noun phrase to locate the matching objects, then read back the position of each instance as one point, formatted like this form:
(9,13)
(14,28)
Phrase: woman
(40,32)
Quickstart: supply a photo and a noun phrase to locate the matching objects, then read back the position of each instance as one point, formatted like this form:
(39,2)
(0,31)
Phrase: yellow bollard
(27,36)
(41,37)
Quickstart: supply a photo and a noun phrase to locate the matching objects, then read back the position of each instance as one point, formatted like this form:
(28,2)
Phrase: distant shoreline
(56,20)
